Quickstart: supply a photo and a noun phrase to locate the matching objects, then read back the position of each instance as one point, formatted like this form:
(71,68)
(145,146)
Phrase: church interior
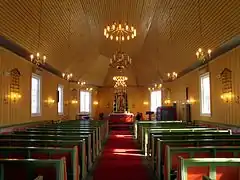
(119,89)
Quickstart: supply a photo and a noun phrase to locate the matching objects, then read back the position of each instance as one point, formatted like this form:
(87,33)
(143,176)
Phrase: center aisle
(121,159)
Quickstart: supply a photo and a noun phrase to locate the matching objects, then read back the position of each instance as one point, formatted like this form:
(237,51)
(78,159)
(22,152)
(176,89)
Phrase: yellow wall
(226,113)
(136,97)
(20,112)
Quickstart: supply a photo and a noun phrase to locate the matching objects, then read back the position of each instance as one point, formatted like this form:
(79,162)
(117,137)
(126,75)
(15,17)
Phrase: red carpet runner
(121,160)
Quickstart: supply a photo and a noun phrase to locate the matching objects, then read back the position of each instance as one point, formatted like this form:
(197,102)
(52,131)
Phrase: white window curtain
(36,95)
(156,100)
(85,102)
(205,94)
(60,99)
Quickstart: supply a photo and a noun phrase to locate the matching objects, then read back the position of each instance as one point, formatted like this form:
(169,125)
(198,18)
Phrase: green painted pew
(142,129)
(161,148)
(95,133)
(215,168)
(103,125)
(172,153)
(52,143)
(26,169)
(145,130)
(87,139)
(94,141)
(218,134)
(137,125)
(145,133)
(70,154)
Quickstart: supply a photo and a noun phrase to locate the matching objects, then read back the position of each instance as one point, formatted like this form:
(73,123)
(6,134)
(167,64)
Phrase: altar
(115,118)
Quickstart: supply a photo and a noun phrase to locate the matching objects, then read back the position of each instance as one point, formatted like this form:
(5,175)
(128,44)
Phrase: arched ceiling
(72,33)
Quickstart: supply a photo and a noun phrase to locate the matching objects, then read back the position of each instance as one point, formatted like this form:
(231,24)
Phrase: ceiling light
(119,32)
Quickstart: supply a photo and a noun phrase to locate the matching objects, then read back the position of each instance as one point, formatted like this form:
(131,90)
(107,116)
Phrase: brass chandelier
(156,87)
(202,55)
(120,83)
(119,32)
(38,60)
(120,60)
(172,76)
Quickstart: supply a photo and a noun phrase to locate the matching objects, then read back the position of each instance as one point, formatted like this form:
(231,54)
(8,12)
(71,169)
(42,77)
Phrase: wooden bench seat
(90,150)
(162,145)
(145,134)
(151,150)
(94,135)
(70,155)
(214,168)
(52,143)
(171,162)
(29,169)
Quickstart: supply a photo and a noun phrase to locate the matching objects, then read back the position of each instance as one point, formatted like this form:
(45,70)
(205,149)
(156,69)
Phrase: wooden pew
(215,168)
(138,124)
(218,134)
(52,143)
(50,169)
(102,125)
(161,148)
(93,142)
(90,150)
(70,155)
(95,136)
(145,137)
(172,154)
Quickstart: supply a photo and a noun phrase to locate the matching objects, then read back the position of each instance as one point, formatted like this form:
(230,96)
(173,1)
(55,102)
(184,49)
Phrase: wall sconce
(95,102)
(14,97)
(50,101)
(145,103)
(227,97)
(74,101)
(191,101)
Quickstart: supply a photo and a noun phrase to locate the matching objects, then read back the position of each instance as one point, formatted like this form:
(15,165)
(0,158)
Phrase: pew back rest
(70,155)
(30,168)
(215,168)
(172,154)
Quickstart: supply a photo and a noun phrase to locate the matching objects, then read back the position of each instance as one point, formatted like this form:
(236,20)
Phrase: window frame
(62,103)
(39,78)
(151,99)
(207,74)
(90,100)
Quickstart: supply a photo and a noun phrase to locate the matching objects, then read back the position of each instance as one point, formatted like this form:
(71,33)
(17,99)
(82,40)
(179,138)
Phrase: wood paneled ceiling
(168,33)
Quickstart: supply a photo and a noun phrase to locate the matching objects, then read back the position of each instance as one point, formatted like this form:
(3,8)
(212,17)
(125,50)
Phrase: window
(156,100)
(36,95)
(85,101)
(205,103)
(60,99)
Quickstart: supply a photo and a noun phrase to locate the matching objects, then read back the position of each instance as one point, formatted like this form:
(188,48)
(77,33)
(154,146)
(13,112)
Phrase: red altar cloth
(121,118)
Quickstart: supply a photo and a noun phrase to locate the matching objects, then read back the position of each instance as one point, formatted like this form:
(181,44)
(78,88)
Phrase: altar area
(118,118)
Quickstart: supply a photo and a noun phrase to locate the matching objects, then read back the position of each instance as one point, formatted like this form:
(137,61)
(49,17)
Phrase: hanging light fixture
(120,83)
(120,60)
(201,54)
(81,83)
(38,59)
(67,76)
(172,76)
(120,32)
(156,87)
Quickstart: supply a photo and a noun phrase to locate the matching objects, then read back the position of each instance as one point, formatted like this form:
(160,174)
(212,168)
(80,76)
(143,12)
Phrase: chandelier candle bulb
(119,32)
